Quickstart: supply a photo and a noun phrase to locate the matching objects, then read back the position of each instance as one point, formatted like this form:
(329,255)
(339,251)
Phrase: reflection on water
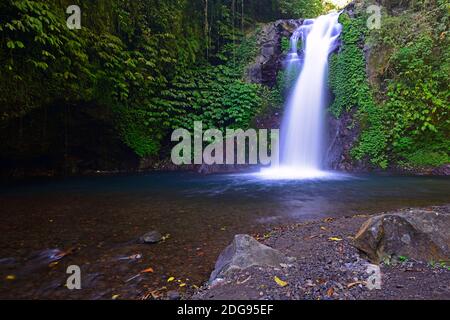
(103,215)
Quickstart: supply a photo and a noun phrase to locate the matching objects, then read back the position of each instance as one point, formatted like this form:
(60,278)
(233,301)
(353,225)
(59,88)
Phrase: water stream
(302,131)
(103,216)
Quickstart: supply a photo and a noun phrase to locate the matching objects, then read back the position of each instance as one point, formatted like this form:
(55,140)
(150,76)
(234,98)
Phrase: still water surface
(101,217)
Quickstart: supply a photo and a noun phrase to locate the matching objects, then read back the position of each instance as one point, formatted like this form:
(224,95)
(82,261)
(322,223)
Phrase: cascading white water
(302,150)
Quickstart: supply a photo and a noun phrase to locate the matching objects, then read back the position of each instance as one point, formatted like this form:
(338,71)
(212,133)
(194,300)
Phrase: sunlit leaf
(280,282)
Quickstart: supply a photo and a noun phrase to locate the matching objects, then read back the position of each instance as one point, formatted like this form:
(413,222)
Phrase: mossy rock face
(396,6)
(269,61)
(395,85)
(377,64)
(418,234)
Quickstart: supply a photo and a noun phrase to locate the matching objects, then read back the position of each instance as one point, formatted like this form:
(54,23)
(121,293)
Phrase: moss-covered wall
(396,80)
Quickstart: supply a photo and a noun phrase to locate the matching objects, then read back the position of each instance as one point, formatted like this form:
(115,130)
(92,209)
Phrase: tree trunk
(206,29)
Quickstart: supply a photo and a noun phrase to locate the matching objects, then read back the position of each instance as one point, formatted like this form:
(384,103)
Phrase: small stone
(151,237)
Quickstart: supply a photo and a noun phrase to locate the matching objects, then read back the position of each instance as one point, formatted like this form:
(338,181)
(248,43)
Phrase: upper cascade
(302,130)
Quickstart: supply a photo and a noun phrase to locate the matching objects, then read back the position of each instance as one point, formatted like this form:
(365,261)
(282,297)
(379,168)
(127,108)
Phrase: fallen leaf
(155,294)
(323,228)
(335,239)
(330,292)
(164,238)
(114,297)
(148,270)
(11,277)
(351,285)
(170,279)
(66,253)
(280,282)
(182,285)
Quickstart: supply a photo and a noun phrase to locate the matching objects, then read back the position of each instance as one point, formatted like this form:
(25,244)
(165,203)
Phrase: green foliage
(408,123)
(301,8)
(37,48)
(216,95)
(285,44)
(154,65)
(160,65)
(43,62)
(415,101)
(286,78)
(347,68)
(348,81)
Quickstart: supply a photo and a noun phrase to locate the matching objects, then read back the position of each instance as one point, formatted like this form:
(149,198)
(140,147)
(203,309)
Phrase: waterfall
(302,130)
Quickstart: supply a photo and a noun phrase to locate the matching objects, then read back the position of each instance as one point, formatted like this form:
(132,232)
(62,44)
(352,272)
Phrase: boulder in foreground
(244,253)
(417,233)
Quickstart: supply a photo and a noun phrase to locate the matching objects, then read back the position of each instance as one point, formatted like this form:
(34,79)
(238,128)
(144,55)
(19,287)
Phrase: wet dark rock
(244,253)
(350,9)
(265,68)
(343,134)
(442,170)
(151,237)
(417,233)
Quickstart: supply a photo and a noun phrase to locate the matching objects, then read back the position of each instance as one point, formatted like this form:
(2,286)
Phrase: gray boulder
(417,233)
(246,252)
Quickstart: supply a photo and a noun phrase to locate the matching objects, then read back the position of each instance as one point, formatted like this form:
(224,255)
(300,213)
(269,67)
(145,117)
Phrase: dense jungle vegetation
(397,77)
(143,68)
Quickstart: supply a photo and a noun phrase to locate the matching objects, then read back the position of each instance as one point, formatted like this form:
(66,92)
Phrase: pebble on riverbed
(151,237)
